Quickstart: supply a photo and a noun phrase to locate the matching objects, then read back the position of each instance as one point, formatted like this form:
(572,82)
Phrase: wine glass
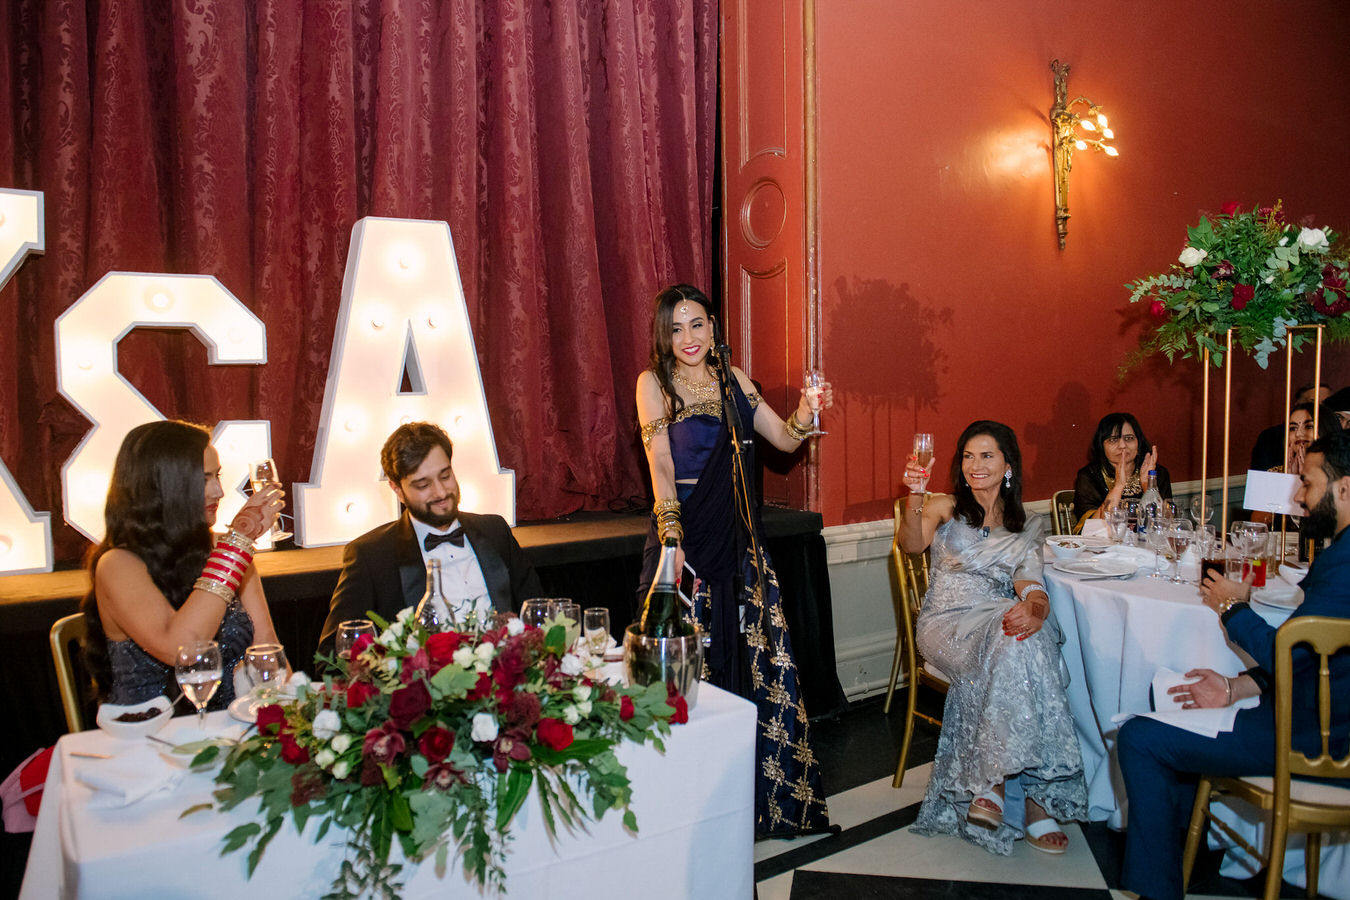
(1201,509)
(266,668)
(348,632)
(261,475)
(811,384)
(198,670)
(1180,533)
(536,612)
(595,629)
(1155,533)
(923,455)
(571,612)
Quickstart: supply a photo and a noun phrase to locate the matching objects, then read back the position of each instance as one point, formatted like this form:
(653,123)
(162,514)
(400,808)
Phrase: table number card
(1272,492)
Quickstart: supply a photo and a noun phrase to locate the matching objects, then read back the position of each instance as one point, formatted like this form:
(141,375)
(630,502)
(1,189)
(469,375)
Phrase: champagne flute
(266,668)
(348,632)
(595,629)
(198,670)
(923,454)
(262,474)
(1179,535)
(1155,533)
(811,384)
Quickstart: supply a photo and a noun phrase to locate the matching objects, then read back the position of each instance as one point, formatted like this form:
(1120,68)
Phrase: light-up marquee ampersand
(25,536)
(402,352)
(86,374)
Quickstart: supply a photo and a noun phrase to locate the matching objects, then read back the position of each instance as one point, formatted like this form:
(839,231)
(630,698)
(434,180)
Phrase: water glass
(570,612)
(266,668)
(536,612)
(348,632)
(595,629)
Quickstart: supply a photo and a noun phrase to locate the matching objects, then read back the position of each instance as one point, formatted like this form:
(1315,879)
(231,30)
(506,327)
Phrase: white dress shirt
(461,576)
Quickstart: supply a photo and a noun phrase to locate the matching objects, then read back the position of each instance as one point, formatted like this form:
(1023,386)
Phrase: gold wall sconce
(1073,131)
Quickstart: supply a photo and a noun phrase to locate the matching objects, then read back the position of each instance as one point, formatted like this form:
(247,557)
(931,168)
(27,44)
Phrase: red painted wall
(945,297)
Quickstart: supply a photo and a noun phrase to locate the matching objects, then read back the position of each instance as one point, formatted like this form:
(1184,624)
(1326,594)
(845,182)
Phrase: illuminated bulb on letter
(160,301)
(6,544)
(405,262)
(2,219)
(433,321)
(1081,145)
(85,364)
(352,425)
(352,509)
(377,322)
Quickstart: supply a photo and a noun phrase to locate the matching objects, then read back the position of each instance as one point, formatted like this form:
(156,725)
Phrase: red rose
(384,744)
(436,743)
(1158,308)
(441,648)
(292,752)
(358,692)
(1231,207)
(269,716)
(414,666)
(482,689)
(626,709)
(555,733)
(508,668)
(681,710)
(407,704)
(1242,295)
(361,644)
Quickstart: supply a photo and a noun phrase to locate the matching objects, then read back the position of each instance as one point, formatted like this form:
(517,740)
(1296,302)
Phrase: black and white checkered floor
(875,855)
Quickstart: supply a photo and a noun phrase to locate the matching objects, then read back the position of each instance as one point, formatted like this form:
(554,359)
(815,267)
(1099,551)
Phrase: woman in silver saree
(986,623)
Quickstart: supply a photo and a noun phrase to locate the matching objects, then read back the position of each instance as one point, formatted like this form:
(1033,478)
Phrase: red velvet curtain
(569,144)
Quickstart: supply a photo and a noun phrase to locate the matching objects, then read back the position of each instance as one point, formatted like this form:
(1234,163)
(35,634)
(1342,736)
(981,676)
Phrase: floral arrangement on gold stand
(1250,271)
(434,741)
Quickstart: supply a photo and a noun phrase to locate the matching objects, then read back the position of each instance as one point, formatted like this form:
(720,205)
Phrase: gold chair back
(910,573)
(65,631)
(1061,505)
(1294,806)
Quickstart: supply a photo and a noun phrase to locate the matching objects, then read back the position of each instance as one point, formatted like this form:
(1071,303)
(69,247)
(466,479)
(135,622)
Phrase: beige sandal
(983,816)
(1038,832)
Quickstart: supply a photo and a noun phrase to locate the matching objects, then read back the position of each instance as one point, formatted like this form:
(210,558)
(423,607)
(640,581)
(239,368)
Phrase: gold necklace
(702,390)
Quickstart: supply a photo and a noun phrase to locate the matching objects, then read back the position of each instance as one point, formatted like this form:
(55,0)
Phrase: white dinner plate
(1279,595)
(1100,568)
(244,709)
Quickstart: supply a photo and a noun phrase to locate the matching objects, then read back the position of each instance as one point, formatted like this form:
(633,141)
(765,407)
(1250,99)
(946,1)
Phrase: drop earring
(1007,479)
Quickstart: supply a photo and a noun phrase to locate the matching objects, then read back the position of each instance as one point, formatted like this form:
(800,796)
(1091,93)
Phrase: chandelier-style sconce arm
(1072,131)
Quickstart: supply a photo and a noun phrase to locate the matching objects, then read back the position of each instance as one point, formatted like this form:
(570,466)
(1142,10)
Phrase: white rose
(413,643)
(484,727)
(342,769)
(404,614)
(484,650)
(1284,240)
(1191,256)
(572,664)
(325,758)
(326,724)
(582,692)
(390,665)
(571,716)
(514,626)
(387,636)
(342,743)
(584,707)
(1312,239)
(298,680)
(463,656)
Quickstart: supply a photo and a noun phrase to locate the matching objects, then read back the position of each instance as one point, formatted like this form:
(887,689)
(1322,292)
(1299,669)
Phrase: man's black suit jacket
(382,570)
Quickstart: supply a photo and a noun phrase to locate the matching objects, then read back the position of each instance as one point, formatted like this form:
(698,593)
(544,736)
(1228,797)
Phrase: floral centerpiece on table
(1253,272)
(434,741)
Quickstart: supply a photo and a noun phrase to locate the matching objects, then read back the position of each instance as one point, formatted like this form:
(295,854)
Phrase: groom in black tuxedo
(385,569)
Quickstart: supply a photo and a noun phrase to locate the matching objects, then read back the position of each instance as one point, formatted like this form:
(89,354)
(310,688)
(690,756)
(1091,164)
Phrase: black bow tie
(454,536)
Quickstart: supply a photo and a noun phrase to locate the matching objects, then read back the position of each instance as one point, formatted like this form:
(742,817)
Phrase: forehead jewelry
(685,308)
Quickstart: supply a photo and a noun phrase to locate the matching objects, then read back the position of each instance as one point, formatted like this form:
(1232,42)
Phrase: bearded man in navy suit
(483,568)
(1160,763)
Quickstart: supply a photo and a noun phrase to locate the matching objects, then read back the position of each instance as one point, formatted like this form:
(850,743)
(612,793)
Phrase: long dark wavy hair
(968,508)
(1111,425)
(156,509)
(663,353)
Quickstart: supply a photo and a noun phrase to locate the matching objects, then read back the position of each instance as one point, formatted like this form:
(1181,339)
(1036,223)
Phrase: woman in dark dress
(707,504)
(160,579)
(1118,466)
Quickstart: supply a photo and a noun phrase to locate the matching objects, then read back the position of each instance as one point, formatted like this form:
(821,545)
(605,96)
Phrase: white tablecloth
(1116,635)
(694,806)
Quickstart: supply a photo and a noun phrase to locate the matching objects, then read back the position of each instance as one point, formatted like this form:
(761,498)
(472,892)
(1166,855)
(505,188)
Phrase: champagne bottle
(433,613)
(661,610)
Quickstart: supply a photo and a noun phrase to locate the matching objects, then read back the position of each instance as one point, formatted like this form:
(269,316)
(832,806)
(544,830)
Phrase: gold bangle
(795,431)
(238,540)
(665,505)
(211,586)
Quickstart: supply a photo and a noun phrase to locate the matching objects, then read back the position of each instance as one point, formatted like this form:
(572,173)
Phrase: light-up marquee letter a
(86,374)
(25,536)
(403,352)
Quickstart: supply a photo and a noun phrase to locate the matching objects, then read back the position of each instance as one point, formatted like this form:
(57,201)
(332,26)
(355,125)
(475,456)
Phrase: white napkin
(1095,527)
(1139,556)
(128,777)
(1206,722)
